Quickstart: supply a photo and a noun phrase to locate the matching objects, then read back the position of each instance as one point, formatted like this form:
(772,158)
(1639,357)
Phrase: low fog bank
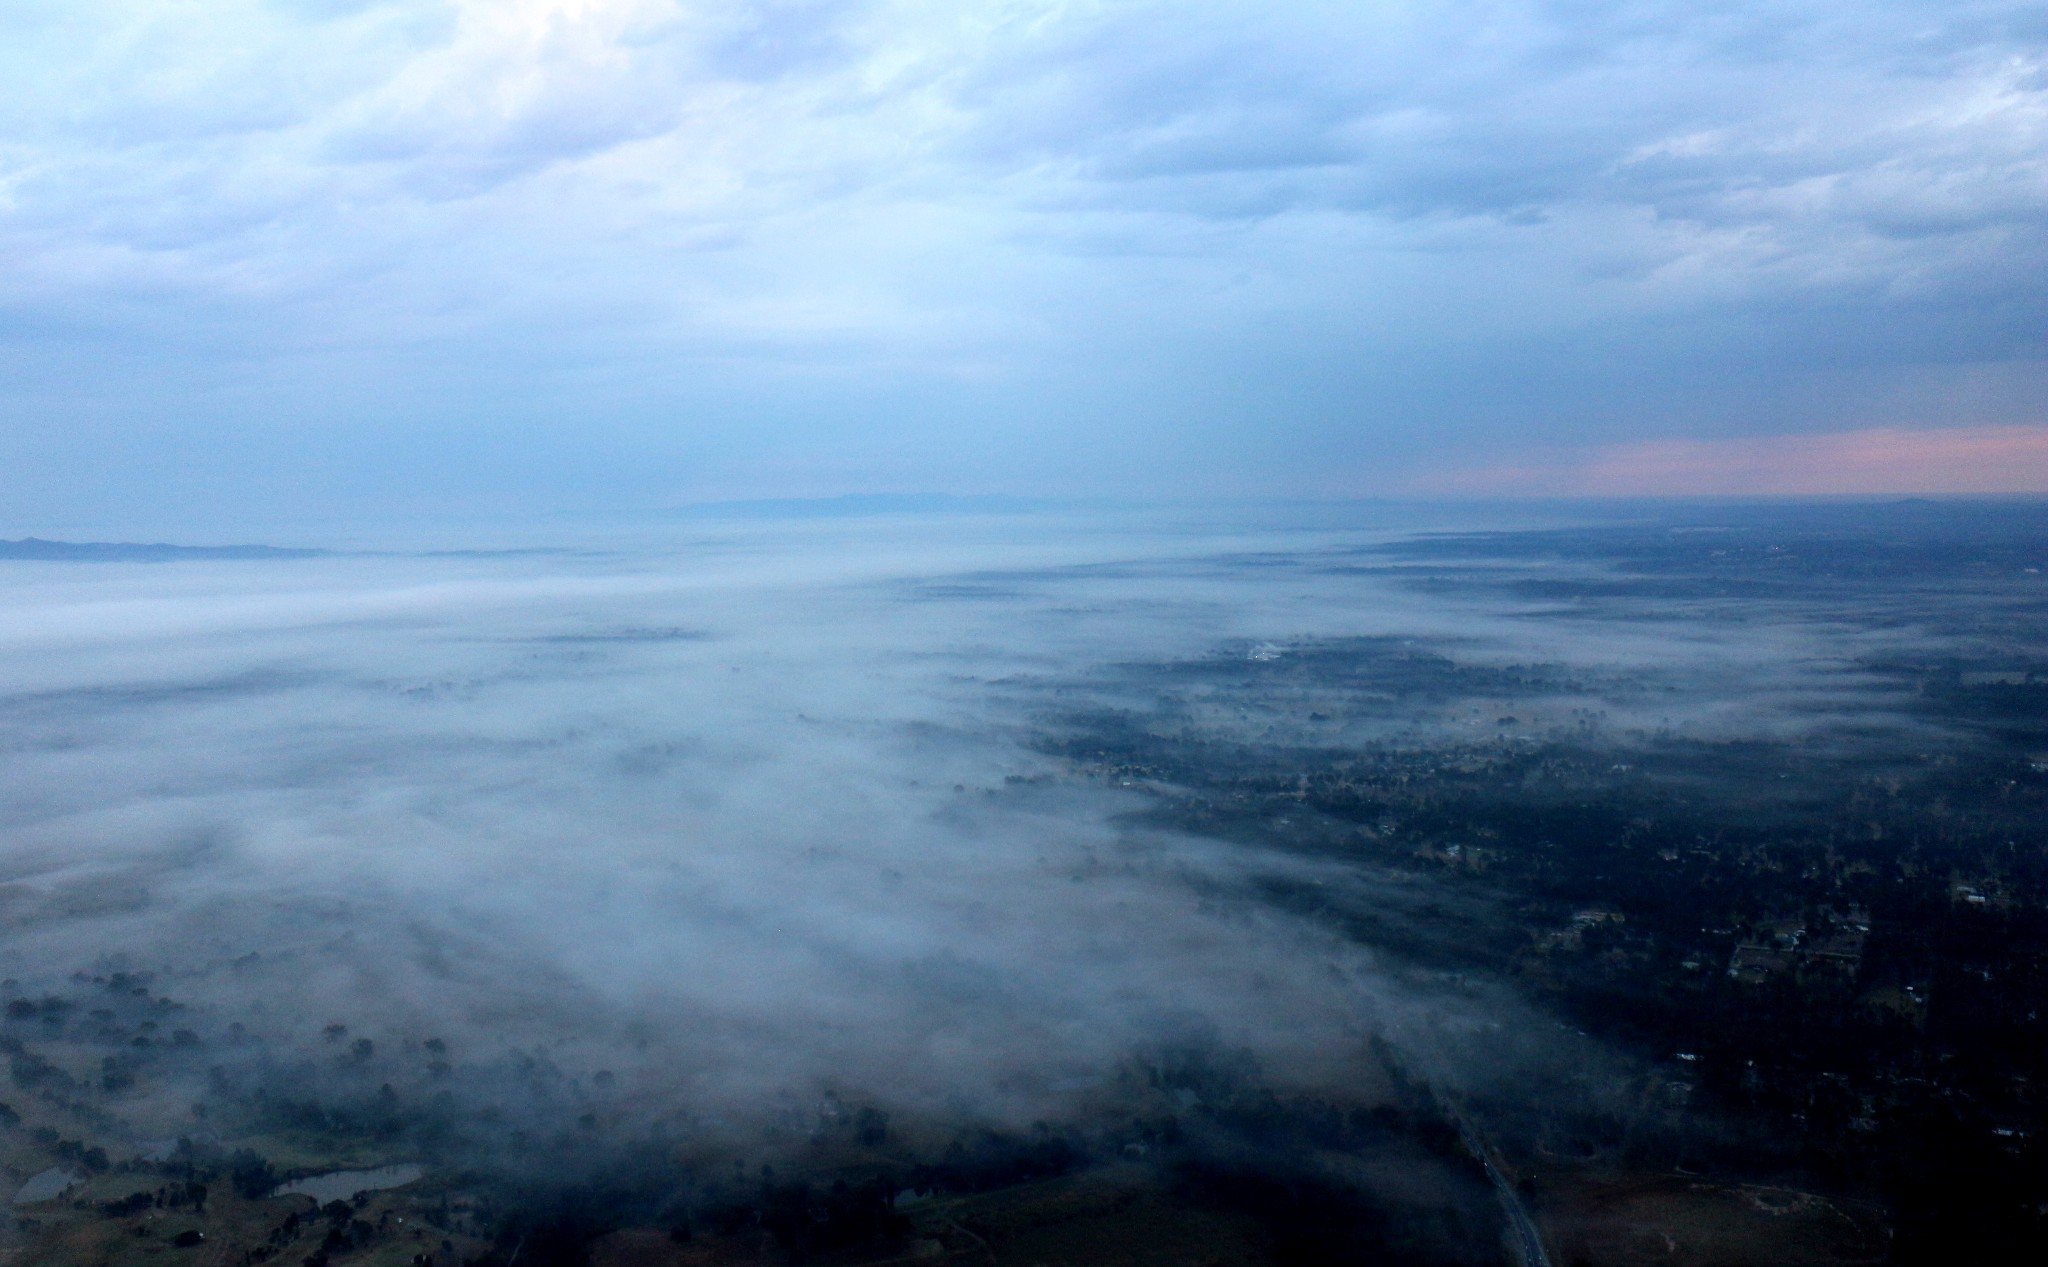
(733,829)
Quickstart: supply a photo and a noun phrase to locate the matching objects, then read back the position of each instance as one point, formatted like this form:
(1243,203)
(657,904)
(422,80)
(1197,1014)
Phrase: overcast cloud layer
(283,252)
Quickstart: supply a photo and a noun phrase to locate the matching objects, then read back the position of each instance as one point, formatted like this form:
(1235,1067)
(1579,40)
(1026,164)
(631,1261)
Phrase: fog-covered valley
(723,827)
(835,847)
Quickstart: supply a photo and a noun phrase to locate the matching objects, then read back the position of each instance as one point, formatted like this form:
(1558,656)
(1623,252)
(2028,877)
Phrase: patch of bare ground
(1112,1219)
(1635,1220)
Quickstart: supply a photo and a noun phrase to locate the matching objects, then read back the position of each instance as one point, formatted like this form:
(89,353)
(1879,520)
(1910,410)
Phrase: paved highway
(1523,1237)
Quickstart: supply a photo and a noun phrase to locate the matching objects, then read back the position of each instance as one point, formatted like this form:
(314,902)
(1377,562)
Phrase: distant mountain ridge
(37,549)
(862,505)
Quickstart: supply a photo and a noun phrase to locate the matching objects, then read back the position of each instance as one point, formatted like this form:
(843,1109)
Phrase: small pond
(46,1186)
(340,1185)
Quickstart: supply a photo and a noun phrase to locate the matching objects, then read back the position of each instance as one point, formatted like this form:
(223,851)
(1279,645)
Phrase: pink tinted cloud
(2002,459)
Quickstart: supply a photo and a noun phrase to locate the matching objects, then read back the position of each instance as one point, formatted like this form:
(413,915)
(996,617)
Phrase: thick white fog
(743,812)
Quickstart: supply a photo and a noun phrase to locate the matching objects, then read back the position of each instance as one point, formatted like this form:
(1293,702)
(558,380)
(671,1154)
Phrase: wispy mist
(725,820)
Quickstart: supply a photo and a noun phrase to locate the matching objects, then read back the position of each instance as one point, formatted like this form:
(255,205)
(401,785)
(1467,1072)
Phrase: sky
(376,257)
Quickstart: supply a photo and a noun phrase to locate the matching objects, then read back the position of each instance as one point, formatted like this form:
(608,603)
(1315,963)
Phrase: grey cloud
(1503,109)
(781,38)
(1102,233)
(328,10)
